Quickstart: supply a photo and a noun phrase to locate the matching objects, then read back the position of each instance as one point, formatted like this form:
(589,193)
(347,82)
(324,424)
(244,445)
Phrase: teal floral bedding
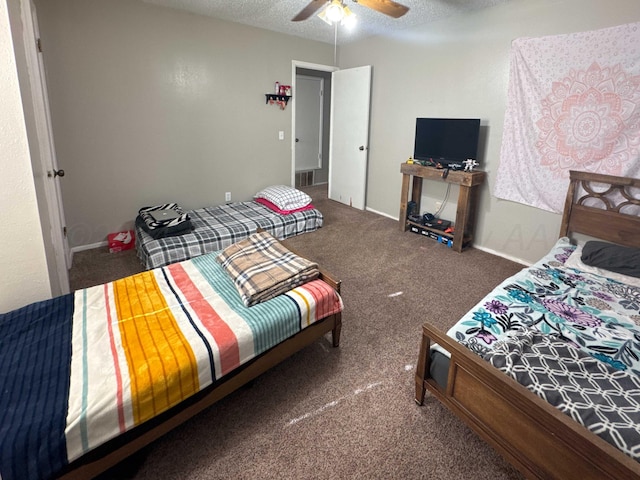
(597,315)
(571,337)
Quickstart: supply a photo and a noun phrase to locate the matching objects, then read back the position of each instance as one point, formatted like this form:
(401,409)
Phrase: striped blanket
(79,370)
(262,268)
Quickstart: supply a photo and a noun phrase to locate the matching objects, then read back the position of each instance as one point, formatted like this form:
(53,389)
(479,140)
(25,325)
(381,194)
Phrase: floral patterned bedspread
(595,314)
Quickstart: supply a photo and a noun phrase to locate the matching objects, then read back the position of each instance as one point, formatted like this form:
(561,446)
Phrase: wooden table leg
(416,191)
(403,202)
(461,218)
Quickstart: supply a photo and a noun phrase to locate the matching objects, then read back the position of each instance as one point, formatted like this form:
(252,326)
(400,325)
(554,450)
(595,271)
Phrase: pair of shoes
(124,237)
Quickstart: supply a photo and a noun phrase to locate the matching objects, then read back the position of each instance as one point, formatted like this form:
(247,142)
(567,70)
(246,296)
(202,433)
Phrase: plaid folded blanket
(262,268)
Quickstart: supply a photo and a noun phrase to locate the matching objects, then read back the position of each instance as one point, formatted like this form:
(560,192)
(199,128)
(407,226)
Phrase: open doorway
(346,131)
(309,144)
(307,172)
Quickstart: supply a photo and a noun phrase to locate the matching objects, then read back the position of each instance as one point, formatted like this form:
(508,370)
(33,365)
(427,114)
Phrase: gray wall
(151,105)
(460,68)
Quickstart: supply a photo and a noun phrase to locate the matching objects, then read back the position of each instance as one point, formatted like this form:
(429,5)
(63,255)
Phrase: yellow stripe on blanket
(162,366)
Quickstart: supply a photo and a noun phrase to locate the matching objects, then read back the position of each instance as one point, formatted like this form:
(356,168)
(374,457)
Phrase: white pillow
(284,197)
(574,261)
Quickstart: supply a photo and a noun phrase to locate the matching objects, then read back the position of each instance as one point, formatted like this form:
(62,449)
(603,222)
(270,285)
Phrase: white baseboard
(507,257)
(91,246)
(484,249)
(381,213)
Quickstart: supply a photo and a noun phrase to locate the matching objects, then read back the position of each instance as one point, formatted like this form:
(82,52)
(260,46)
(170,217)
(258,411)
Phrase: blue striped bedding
(81,369)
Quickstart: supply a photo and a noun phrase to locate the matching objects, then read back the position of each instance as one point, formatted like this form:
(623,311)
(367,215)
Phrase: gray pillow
(615,258)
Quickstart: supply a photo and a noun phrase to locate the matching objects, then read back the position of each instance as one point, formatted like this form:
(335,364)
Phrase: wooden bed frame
(113,452)
(535,437)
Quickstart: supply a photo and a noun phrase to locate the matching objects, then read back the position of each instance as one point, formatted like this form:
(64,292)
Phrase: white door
(308,142)
(46,172)
(349,138)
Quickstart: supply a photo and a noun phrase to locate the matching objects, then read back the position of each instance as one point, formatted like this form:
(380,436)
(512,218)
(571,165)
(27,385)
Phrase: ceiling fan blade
(310,9)
(388,7)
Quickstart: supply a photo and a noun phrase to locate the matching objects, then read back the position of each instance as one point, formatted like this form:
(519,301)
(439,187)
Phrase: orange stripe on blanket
(224,337)
(323,296)
(116,364)
(162,366)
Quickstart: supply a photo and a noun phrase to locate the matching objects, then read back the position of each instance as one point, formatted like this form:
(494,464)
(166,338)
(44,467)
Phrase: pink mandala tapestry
(573,104)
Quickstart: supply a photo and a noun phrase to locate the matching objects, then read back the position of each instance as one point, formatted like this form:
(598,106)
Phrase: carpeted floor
(347,412)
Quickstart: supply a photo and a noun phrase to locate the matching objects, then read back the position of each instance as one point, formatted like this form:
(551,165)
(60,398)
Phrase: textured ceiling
(276,15)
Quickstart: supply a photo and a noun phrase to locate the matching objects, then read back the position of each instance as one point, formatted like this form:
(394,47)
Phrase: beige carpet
(347,412)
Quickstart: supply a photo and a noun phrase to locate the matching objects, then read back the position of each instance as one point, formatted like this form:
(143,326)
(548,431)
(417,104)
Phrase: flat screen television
(448,141)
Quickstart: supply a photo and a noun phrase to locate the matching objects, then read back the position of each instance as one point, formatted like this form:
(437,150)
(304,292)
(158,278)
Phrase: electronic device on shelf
(446,142)
(428,218)
(438,224)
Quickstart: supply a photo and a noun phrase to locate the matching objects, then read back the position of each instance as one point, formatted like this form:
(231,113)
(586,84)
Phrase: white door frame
(44,131)
(295,64)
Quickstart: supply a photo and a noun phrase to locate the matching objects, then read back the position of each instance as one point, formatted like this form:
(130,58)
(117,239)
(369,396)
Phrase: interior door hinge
(64,232)
(39,45)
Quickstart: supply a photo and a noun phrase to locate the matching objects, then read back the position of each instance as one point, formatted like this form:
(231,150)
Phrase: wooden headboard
(603,206)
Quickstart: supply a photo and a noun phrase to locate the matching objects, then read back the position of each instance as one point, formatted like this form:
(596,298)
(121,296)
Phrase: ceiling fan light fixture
(333,13)
(349,19)
(323,16)
(337,11)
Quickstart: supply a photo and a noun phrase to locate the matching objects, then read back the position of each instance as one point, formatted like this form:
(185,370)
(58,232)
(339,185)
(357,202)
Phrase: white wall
(460,68)
(152,105)
(23,268)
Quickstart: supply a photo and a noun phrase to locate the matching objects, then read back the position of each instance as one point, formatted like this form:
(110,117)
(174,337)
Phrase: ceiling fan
(388,7)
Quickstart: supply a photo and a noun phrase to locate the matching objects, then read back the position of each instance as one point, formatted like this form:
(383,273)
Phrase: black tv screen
(448,141)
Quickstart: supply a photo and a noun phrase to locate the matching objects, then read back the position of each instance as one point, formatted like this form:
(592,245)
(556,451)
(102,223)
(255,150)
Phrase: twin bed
(91,377)
(546,367)
(215,228)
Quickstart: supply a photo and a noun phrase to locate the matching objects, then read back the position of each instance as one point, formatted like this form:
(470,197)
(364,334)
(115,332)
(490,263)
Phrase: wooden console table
(465,214)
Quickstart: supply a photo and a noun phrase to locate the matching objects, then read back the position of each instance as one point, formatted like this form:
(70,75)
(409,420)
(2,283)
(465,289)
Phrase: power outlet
(438,205)
(227,196)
